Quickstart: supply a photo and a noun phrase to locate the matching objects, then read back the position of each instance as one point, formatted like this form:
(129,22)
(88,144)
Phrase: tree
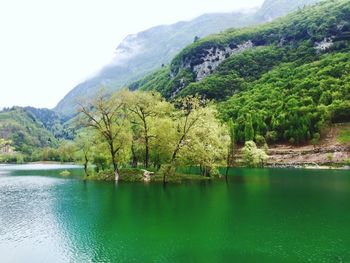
(186,117)
(66,151)
(198,138)
(232,146)
(248,128)
(107,116)
(163,144)
(145,107)
(5,146)
(206,144)
(84,145)
(252,156)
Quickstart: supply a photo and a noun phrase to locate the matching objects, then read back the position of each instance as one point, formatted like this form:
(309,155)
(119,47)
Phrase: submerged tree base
(137,175)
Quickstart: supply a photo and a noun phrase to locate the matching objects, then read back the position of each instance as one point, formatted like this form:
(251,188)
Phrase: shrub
(252,156)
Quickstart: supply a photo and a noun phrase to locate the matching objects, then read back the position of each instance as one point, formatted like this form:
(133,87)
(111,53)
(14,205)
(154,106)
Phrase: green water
(259,216)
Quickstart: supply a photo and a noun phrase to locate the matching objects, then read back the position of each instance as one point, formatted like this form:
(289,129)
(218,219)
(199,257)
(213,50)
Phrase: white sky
(49,46)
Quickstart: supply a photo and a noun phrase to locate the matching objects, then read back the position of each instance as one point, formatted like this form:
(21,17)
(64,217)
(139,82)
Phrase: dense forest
(287,79)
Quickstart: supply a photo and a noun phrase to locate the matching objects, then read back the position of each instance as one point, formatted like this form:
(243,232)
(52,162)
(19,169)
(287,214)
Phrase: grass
(344,135)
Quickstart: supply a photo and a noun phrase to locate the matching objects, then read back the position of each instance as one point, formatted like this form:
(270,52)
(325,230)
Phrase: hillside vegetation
(285,80)
(145,52)
(25,131)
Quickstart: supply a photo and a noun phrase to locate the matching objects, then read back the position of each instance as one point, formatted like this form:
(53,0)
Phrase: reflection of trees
(198,221)
(104,222)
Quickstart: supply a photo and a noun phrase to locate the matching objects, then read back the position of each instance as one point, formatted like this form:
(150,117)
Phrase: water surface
(259,216)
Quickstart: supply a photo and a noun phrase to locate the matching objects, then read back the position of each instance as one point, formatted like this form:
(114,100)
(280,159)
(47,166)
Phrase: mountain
(54,122)
(147,51)
(287,80)
(25,131)
(272,9)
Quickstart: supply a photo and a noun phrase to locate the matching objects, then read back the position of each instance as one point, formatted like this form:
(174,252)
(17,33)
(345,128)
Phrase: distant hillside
(272,9)
(24,130)
(287,80)
(147,51)
(52,121)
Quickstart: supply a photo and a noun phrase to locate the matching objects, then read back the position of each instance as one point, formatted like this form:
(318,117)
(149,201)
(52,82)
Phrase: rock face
(214,58)
(325,44)
(144,52)
(203,63)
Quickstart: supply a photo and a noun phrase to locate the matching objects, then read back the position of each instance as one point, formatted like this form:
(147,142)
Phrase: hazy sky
(47,47)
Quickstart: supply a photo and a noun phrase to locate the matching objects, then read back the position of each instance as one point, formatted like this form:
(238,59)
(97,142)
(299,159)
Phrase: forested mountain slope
(146,51)
(25,131)
(286,80)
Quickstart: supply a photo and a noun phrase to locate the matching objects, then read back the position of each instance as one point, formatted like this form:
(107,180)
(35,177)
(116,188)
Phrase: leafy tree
(84,143)
(231,152)
(107,116)
(248,128)
(252,156)
(145,107)
(206,144)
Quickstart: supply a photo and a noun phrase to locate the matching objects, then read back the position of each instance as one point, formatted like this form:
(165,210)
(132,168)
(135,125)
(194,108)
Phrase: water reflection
(260,215)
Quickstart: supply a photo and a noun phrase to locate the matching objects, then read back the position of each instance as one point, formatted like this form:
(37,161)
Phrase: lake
(260,215)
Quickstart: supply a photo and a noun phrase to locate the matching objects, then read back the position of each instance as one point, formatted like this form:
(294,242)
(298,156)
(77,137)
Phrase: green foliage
(308,23)
(25,131)
(156,79)
(252,156)
(17,158)
(260,140)
(51,120)
(65,152)
(147,51)
(286,104)
(232,144)
(146,111)
(284,89)
(344,136)
(206,143)
(248,128)
(155,131)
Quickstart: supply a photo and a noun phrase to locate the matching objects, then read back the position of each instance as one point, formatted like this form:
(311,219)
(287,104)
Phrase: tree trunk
(85,169)
(164,178)
(134,157)
(116,171)
(146,140)
(116,175)
(115,165)
(86,165)
(147,153)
